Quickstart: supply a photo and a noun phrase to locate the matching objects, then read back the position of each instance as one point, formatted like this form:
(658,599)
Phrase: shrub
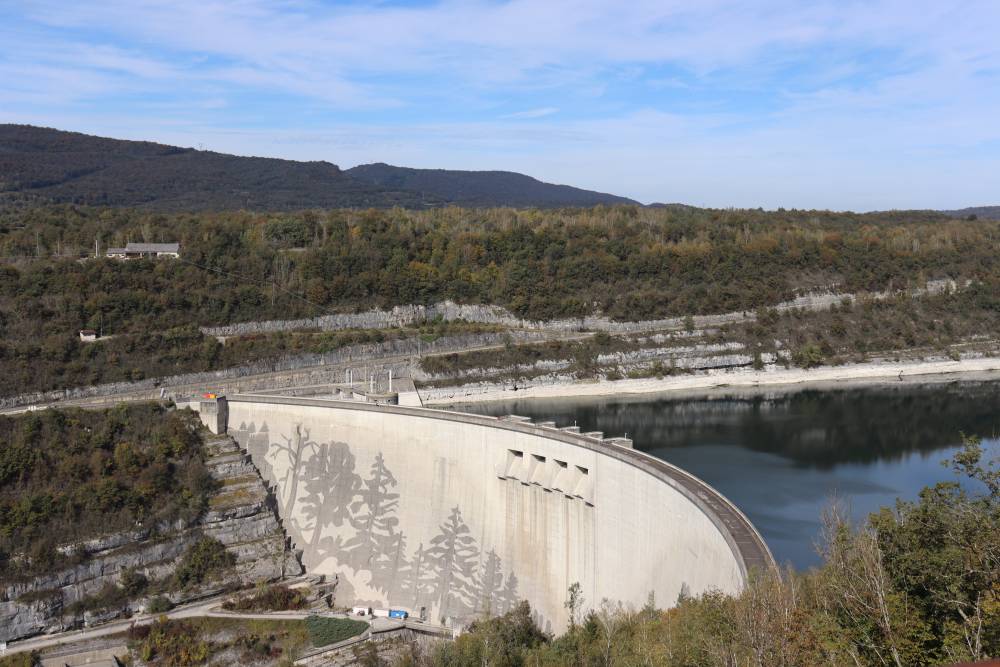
(159,605)
(173,644)
(324,631)
(808,356)
(204,559)
(278,597)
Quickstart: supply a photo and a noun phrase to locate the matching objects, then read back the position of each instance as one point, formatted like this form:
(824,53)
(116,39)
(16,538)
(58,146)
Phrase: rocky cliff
(241,515)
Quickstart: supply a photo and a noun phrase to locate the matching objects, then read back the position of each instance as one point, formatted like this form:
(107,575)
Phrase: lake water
(782,458)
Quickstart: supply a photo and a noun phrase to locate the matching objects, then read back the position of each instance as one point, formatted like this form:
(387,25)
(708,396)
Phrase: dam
(452,515)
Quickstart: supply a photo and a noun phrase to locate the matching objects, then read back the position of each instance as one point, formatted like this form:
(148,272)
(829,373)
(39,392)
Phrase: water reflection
(783,457)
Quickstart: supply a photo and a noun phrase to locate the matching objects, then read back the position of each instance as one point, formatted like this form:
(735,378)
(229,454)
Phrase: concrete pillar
(215,414)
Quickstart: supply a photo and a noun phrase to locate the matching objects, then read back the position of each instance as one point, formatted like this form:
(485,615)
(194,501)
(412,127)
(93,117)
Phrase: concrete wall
(465,513)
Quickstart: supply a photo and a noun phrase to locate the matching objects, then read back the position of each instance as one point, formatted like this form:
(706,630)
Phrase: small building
(88,335)
(146,251)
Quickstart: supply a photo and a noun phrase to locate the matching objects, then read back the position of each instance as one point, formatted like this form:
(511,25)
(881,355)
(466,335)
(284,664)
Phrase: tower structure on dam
(461,515)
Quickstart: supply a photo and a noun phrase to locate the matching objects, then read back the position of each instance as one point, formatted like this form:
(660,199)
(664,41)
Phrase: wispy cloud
(777,102)
(533,113)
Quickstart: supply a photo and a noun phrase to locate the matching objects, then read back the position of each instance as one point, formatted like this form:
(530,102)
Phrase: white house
(146,251)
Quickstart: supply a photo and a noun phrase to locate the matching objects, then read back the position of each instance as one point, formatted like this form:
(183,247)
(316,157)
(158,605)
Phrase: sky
(840,104)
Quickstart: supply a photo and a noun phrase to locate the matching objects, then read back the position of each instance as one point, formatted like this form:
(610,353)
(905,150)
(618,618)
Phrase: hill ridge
(46,165)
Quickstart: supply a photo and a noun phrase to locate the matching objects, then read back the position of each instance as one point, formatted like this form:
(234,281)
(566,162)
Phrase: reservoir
(784,457)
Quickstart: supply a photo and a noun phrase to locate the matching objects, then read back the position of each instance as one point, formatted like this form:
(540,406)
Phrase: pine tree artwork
(373,516)
(331,486)
(452,558)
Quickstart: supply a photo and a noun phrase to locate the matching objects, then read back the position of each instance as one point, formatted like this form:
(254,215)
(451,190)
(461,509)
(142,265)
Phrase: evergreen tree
(397,568)
(292,451)
(420,579)
(489,584)
(331,486)
(373,517)
(452,558)
(508,598)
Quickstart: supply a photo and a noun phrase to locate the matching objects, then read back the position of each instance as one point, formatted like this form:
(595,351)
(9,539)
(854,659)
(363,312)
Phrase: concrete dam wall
(462,515)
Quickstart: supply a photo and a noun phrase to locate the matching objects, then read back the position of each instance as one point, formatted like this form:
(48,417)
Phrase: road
(256,382)
(210,609)
(202,609)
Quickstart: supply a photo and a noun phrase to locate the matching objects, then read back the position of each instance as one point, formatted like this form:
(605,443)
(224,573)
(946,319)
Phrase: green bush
(808,356)
(324,631)
(277,597)
(173,644)
(159,605)
(203,560)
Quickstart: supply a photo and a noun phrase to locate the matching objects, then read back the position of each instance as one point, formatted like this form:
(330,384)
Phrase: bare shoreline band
(986,368)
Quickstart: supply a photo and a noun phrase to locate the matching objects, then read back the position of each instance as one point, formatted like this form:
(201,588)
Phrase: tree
(293,454)
(452,558)
(331,486)
(574,602)
(489,584)
(373,516)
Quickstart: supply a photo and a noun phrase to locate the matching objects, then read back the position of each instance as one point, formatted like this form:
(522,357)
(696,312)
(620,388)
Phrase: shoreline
(731,381)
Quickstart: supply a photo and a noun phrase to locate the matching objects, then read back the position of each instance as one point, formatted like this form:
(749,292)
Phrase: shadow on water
(783,457)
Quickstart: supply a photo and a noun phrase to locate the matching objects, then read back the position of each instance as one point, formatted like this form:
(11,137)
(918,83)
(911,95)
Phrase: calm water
(782,458)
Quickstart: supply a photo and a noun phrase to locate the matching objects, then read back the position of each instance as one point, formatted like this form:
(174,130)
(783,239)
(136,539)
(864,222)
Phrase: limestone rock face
(241,515)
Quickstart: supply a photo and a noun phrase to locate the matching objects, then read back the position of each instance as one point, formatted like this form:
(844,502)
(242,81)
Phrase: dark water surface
(782,458)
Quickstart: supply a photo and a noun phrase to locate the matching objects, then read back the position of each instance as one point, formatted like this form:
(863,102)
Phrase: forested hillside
(974,212)
(39,165)
(67,476)
(481,188)
(626,262)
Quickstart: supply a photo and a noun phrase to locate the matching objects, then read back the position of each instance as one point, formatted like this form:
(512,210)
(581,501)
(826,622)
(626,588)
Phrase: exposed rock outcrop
(241,515)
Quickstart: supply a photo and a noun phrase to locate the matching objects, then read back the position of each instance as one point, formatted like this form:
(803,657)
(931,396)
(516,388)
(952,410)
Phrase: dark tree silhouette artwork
(258,442)
(419,582)
(489,583)
(508,597)
(452,558)
(447,573)
(373,516)
(397,569)
(293,451)
(331,485)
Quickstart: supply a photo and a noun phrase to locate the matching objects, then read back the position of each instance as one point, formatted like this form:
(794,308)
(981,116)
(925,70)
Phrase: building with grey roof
(146,251)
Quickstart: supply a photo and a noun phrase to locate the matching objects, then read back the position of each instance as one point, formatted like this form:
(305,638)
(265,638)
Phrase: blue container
(398,613)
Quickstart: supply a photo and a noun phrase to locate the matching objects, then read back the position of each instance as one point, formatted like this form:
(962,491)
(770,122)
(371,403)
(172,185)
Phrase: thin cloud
(533,113)
(777,102)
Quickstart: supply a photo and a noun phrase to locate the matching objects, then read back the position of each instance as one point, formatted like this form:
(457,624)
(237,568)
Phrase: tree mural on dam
(452,558)
(331,486)
(333,512)
(374,520)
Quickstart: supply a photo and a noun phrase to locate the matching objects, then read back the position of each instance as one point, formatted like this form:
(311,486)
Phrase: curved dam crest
(462,515)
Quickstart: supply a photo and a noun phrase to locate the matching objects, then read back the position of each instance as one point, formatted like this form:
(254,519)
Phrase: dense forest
(43,165)
(70,475)
(480,188)
(625,262)
(918,584)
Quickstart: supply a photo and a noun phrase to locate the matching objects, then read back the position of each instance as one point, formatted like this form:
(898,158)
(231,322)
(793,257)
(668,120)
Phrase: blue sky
(839,104)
